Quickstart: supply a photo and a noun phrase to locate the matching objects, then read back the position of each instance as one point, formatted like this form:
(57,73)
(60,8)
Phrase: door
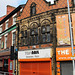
(35,68)
(66,68)
(5,65)
(10,66)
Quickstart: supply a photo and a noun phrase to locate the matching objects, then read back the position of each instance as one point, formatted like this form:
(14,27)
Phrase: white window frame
(74,2)
(1,28)
(14,16)
(12,35)
(5,44)
(0,43)
(6,26)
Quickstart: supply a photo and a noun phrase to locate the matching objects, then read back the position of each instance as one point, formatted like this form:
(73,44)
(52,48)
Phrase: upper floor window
(33,9)
(5,41)
(0,43)
(74,2)
(46,36)
(14,20)
(21,10)
(6,24)
(14,38)
(24,37)
(0,28)
(34,36)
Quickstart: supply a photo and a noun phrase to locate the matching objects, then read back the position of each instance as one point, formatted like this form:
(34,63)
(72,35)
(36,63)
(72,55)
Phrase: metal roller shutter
(66,68)
(35,68)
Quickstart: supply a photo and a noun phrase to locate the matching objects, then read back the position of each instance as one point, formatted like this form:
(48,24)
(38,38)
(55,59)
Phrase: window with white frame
(0,43)
(0,28)
(74,2)
(14,38)
(14,20)
(6,24)
(5,41)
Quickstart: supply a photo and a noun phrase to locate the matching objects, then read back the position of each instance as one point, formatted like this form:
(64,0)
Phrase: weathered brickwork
(42,6)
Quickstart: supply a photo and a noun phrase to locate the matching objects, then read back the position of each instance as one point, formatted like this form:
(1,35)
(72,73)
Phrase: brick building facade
(37,34)
(38,41)
(8,37)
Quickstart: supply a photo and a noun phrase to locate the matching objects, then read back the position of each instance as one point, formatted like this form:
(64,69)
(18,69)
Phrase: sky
(15,3)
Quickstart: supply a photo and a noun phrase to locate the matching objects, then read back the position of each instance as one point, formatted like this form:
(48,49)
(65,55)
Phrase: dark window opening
(34,36)
(22,33)
(48,28)
(36,39)
(43,38)
(26,33)
(23,37)
(46,36)
(5,65)
(14,38)
(32,32)
(33,9)
(43,29)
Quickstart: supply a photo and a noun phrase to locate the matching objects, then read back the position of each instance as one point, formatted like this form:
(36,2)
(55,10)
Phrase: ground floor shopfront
(6,64)
(64,61)
(35,62)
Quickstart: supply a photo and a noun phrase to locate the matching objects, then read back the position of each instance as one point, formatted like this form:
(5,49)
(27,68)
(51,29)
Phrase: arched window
(46,33)
(24,37)
(45,30)
(34,36)
(33,9)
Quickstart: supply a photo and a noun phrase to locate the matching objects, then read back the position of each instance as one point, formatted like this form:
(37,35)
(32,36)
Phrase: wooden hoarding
(63,34)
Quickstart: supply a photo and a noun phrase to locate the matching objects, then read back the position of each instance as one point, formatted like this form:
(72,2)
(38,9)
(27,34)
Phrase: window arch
(33,9)
(34,33)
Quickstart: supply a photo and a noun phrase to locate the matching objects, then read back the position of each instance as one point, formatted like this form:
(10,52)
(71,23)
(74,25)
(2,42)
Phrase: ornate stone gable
(42,6)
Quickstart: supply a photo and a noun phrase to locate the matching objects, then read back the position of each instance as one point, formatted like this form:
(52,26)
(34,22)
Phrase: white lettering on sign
(63,52)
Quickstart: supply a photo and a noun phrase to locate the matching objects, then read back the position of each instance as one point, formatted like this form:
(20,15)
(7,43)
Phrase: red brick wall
(1,18)
(37,46)
(42,6)
(10,22)
(9,9)
(9,36)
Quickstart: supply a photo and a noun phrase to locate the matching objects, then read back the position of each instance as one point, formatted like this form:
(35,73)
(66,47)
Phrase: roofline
(12,13)
(11,6)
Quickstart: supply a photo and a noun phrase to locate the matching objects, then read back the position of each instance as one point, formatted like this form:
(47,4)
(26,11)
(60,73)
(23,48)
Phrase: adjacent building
(8,37)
